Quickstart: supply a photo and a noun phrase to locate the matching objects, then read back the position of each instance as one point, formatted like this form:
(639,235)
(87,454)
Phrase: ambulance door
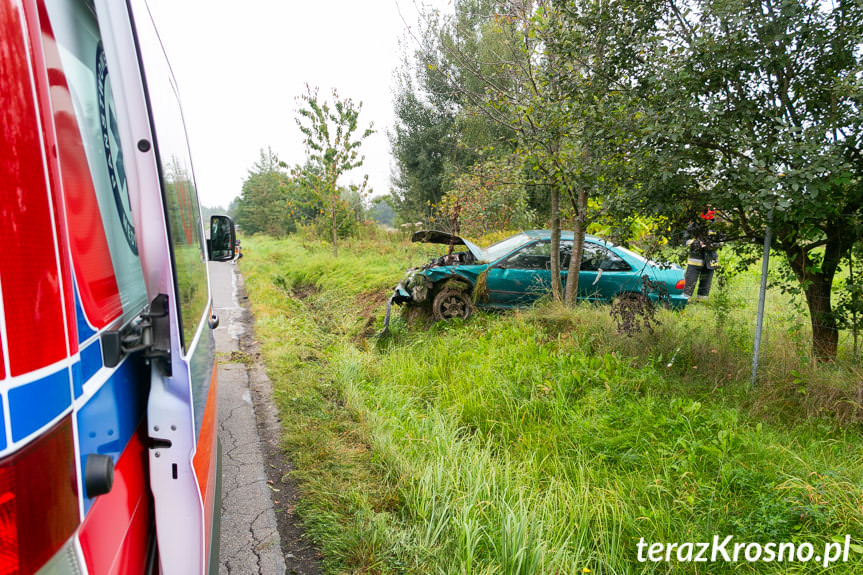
(181,411)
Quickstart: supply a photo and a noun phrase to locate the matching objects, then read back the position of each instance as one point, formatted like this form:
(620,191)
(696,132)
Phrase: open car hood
(445,238)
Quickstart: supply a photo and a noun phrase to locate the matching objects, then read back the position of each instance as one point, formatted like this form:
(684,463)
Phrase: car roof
(564,235)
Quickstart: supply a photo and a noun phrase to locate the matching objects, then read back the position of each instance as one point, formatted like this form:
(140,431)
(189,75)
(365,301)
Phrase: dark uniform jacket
(703,245)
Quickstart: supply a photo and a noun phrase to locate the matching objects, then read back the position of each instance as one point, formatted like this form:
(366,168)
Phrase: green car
(515,272)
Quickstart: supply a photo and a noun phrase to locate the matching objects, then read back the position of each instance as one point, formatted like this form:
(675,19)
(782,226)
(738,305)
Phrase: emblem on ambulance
(113,152)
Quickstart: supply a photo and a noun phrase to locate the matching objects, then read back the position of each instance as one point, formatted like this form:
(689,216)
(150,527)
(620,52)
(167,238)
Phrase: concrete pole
(762,293)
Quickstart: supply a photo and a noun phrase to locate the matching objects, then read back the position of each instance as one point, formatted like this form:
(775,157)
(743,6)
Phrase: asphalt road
(257,537)
(250,538)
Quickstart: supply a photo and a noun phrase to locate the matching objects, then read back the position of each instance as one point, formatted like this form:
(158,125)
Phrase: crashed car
(515,272)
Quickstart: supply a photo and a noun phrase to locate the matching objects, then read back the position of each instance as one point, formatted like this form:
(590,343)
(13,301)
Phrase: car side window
(535,256)
(596,257)
(565,254)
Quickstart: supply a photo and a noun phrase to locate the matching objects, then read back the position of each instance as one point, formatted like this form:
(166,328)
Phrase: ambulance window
(83,61)
(181,198)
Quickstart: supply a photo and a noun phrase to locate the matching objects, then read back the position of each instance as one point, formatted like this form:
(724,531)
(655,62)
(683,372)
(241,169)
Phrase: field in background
(542,441)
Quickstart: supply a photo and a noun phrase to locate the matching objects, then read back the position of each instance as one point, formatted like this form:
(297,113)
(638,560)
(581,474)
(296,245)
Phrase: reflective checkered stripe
(58,403)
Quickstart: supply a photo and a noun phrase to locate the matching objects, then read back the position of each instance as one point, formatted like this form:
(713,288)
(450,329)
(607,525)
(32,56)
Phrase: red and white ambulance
(109,457)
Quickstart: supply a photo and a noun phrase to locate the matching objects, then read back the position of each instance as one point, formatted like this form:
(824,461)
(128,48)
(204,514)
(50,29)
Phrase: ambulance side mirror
(223,239)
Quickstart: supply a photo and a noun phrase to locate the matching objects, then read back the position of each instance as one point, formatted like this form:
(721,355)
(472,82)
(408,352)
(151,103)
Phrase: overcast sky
(240,67)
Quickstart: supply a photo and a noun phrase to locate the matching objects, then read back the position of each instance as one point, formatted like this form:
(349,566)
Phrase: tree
(489,199)
(592,48)
(422,145)
(207,212)
(755,107)
(332,150)
(261,207)
(438,136)
(493,60)
(381,211)
(551,73)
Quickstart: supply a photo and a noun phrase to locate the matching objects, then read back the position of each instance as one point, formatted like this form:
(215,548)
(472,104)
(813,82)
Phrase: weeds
(636,311)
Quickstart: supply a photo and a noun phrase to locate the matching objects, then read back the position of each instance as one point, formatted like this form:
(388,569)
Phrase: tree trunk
(335,231)
(817,287)
(825,333)
(556,286)
(571,295)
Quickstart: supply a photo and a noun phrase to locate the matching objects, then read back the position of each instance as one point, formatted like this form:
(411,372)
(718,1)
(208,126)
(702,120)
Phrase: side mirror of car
(223,239)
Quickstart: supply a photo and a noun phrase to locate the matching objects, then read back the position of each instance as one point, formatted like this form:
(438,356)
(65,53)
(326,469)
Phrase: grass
(541,441)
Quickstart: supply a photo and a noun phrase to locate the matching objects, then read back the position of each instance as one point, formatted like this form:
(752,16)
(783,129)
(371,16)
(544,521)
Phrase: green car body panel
(517,271)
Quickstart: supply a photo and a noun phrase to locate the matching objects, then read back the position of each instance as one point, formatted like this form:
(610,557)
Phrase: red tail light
(38,501)
(680,285)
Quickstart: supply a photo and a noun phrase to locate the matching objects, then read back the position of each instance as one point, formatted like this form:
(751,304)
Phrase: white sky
(240,67)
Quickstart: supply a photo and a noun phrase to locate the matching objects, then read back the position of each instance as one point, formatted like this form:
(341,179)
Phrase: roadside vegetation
(632,116)
(543,441)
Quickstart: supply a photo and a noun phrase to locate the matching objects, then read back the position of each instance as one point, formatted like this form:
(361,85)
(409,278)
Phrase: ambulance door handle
(149,332)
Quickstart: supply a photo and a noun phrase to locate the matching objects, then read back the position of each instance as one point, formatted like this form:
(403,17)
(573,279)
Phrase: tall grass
(540,441)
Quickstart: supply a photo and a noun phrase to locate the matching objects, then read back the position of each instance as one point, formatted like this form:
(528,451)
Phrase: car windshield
(498,250)
(642,259)
(639,257)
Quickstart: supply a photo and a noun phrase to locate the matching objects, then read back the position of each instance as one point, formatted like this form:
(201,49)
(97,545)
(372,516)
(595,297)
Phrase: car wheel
(451,303)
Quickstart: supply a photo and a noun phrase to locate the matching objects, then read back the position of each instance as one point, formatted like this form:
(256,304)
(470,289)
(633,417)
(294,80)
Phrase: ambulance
(109,454)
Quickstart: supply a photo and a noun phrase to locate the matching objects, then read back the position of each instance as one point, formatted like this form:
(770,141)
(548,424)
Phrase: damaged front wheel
(451,303)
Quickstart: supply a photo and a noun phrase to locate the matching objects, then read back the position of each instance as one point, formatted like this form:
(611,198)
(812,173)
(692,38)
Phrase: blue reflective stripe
(91,360)
(84,329)
(84,370)
(108,420)
(77,379)
(2,426)
(33,405)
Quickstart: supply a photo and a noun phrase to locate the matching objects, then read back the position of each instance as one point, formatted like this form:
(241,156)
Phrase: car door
(521,277)
(603,273)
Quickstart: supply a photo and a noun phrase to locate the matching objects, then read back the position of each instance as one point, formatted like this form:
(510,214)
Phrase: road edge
(301,556)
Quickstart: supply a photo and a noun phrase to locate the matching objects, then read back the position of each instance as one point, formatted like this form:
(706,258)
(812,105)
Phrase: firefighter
(703,259)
